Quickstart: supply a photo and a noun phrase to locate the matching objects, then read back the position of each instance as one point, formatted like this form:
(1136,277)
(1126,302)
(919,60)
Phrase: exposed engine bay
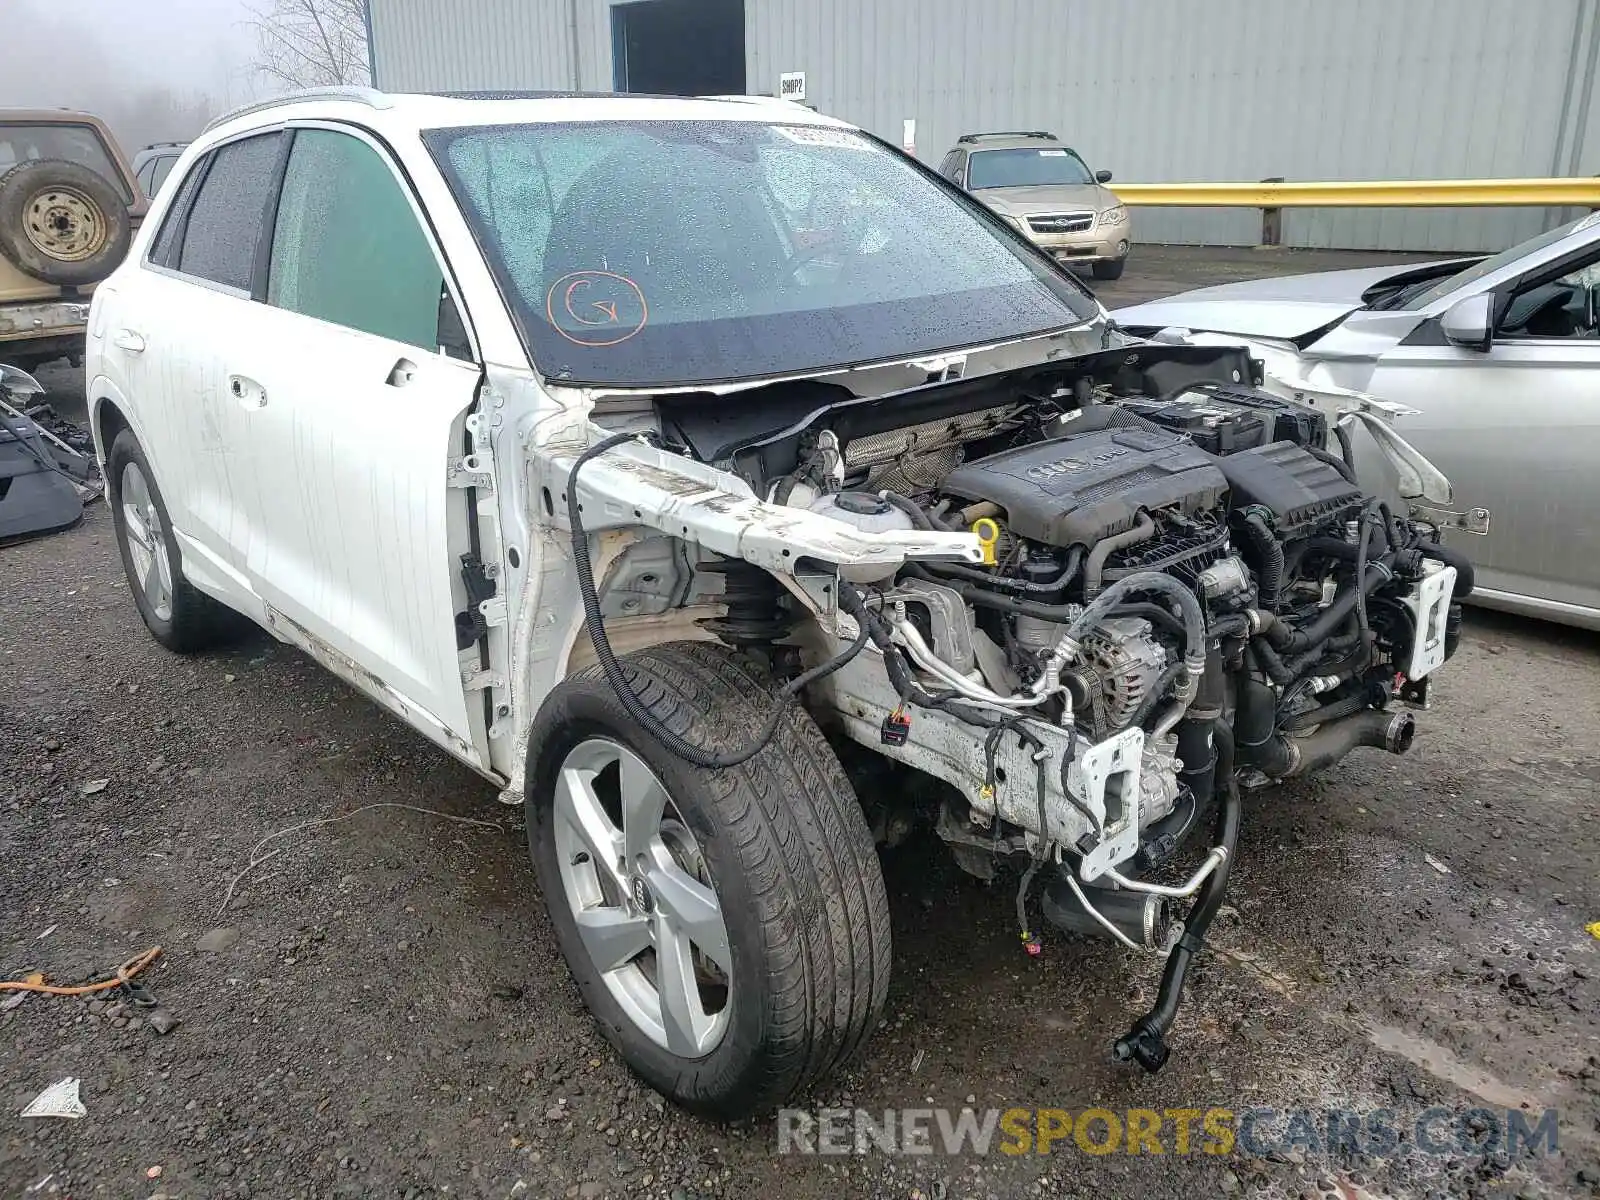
(1182,591)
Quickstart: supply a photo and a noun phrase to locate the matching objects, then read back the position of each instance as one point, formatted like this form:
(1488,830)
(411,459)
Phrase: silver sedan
(1500,358)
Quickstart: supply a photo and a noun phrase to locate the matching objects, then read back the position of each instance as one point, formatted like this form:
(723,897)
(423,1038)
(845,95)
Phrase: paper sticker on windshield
(1052,154)
(822,135)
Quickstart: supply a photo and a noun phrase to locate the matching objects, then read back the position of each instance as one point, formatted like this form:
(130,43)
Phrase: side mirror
(961,179)
(1102,176)
(1469,322)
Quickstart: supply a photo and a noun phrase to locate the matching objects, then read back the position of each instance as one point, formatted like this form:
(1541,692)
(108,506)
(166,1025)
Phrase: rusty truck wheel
(61,223)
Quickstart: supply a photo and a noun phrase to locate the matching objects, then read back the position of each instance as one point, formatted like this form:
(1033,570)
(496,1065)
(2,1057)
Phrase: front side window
(222,227)
(347,247)
(1046,166)
(654,252)
(75,143)
(1564,307)
(1429,293)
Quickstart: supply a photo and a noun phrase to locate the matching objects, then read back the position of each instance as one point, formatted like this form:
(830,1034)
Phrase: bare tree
(311,43)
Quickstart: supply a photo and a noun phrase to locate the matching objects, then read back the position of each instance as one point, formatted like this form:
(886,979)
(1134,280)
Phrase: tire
(782,845)
(179,616)
(62,223)
(1110,269)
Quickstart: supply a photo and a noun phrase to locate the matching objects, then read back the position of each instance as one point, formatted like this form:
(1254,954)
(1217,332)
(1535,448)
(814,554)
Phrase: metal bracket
(493,611)
(1109,775)
(469,472)
(1474,520)
(474,681)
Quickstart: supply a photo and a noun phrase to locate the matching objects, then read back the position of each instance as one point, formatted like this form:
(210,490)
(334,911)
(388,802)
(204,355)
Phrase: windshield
(1438,289)
(1047,166)
(655,253)
(75,143)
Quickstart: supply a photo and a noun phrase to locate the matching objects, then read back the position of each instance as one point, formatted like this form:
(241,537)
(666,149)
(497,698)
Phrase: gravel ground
(381,1010)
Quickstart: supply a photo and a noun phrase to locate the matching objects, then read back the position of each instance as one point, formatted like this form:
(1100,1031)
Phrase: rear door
(170,330)
(354,415)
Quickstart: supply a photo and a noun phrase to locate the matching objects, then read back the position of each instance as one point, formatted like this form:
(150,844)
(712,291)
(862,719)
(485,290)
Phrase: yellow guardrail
(1421,193)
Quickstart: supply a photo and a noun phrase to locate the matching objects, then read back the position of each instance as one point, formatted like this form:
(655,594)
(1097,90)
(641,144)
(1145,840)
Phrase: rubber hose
(1334,710)
(1347,446)
(1334,461)
(1058,613)
(1284,637)
(1151,581)
(1269,570)
(910,507)
(1363,538)
(1391,731)
(1204,910)
(1143,530)
(1010,582)
(1154,695)
(1255,718)
(1450,557)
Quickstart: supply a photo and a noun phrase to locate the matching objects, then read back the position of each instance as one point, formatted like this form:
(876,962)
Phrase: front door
(356,414)
(1516,428)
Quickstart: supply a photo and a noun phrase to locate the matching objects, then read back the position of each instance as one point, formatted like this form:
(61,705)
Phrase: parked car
(1497,355)
(68,209)
(153,164)
(1044,188)
(540,423)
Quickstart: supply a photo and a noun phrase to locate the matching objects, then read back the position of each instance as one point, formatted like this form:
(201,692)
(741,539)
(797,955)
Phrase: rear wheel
(178,615)
(728,928)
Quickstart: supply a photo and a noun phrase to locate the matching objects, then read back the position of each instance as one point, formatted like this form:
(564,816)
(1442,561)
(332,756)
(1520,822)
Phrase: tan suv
(68,208)
(1048,192)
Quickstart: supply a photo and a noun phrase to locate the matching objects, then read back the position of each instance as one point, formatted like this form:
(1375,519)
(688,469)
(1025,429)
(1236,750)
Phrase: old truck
(68,207)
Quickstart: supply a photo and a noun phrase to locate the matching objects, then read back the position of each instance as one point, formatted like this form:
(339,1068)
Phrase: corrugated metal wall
(1157,90)
(486,45)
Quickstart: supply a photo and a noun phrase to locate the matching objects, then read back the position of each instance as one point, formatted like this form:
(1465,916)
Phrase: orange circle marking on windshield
(583,298)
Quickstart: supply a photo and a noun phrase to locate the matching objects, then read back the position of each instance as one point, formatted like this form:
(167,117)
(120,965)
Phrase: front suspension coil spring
(757,615)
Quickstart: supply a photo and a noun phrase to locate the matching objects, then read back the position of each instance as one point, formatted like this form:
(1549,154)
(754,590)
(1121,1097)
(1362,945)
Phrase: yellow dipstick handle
(988,533)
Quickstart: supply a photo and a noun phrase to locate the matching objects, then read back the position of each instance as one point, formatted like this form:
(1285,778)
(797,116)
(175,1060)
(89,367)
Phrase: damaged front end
(1076,604)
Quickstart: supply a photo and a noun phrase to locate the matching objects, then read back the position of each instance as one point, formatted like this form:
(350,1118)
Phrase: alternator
(1120,663)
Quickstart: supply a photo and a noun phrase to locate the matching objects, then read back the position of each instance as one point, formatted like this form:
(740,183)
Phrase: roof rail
(999,133)
(371,97)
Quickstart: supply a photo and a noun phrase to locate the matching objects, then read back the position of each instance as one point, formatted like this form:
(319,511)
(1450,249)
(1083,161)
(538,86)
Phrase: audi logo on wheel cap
(643,898)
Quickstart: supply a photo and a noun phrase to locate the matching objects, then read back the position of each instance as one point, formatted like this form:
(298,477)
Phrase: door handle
(127,339)
(403,371)
(247,391)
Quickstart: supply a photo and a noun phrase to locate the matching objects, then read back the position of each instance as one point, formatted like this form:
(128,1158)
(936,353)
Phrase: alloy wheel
(642,898)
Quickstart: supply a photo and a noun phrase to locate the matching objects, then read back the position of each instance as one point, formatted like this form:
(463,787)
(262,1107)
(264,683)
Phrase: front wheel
(1110,268)
(729,929)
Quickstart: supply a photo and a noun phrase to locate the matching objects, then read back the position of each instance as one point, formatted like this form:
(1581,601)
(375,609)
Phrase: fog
(156,70)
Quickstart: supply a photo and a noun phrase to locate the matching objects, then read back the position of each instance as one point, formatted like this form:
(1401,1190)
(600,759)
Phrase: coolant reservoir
(868,513)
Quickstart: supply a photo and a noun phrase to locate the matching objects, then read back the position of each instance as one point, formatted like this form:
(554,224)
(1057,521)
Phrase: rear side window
(164,250)
(348,247)
(223,225)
